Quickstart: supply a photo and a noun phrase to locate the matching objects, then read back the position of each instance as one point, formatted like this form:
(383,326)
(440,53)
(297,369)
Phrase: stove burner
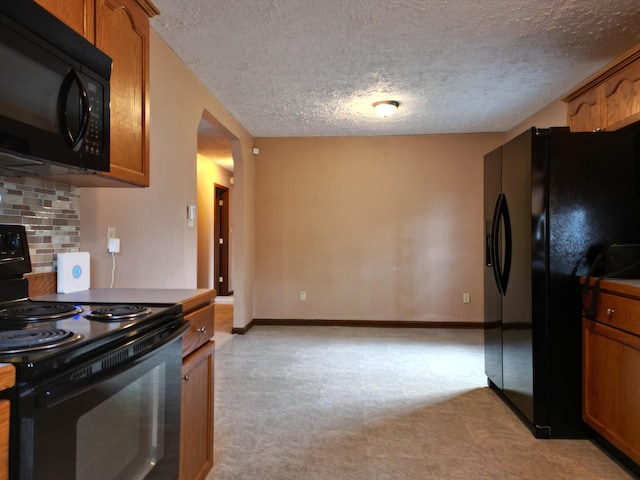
(112,313)
(30,339)
(40,311)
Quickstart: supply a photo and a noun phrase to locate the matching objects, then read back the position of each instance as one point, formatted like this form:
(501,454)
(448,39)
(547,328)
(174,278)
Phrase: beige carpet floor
(340,403)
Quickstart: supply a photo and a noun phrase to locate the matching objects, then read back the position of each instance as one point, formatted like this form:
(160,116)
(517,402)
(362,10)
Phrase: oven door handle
(97,369)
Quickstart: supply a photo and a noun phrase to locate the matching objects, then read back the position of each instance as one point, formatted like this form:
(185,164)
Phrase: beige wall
(372,228)
(553,115)
(158,249)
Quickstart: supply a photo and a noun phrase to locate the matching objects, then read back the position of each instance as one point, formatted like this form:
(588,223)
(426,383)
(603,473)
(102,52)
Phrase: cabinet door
(196,442)
(621,97)
(78,14)
(122,32)
(611,394)
(584,113)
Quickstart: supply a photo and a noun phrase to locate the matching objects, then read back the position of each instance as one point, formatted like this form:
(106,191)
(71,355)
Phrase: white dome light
(386,108)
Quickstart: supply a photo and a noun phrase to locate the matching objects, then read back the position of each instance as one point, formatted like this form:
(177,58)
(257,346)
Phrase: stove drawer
(200,329)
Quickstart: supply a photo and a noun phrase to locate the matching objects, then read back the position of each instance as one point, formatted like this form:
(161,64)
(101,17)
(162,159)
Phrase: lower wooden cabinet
(196,443)
(4,439)
(611,391)
(610,367)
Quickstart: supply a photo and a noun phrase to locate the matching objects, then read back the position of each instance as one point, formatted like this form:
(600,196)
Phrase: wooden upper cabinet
(610,99)
(122,32)
(621,94)
(78,14)
(585,112)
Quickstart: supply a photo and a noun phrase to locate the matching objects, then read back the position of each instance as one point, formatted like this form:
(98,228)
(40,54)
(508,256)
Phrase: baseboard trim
(354,323)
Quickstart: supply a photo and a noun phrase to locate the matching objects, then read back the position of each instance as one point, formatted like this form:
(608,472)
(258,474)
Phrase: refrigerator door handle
(501,267)
(494,247)
(508,245)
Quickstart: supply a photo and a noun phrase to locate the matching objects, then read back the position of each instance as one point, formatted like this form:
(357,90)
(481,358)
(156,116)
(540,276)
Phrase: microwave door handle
(74,140)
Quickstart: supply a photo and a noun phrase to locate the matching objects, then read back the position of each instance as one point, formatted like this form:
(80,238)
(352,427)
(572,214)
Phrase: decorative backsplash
(50,212)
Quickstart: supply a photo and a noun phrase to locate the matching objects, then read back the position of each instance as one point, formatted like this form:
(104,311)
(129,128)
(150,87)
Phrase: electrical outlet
(111,233)
(303,295)
(466,298)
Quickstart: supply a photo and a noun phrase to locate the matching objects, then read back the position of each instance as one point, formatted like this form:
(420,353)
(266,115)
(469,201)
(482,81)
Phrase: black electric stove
(40,338)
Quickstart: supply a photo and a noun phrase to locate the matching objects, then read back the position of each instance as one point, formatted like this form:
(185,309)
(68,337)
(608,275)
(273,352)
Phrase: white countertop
(124,295)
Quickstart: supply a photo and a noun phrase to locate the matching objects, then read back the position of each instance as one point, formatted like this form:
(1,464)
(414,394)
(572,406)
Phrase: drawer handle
(202,330)
(186,377)
(610,312)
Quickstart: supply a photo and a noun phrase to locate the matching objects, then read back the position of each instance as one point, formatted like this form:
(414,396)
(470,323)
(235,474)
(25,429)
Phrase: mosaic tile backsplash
(50,212)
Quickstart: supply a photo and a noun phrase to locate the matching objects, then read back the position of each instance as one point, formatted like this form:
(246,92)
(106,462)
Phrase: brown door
(221,237)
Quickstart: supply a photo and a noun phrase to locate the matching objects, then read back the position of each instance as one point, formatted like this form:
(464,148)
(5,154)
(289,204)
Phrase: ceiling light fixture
(386,108)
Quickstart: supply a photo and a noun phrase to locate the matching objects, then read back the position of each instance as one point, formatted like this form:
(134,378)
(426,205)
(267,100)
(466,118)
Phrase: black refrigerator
(552,199)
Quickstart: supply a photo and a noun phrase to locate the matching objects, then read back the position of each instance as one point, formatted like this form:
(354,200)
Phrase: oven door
(119,422)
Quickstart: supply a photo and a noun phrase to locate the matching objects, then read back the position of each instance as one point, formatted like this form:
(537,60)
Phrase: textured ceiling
(314,67)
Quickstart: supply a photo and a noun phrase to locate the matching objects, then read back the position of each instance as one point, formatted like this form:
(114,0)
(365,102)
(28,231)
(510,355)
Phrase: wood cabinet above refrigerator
(608,100)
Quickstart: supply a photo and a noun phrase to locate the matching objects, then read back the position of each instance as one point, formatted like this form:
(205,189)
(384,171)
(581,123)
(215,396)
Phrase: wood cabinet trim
(198,300)
(148,8)
(42,283)
(5,409)
(7,376)
(604,73)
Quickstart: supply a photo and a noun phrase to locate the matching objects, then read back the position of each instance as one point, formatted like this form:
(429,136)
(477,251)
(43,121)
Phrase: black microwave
(54,95)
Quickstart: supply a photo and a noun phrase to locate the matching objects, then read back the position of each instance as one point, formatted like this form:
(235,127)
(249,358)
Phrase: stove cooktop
(68,332)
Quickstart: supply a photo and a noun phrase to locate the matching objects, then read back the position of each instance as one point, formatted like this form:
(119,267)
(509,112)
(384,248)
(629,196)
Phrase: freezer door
(492,297)
(517,184)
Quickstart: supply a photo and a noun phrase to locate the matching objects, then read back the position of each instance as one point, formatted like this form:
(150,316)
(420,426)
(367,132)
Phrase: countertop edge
(629,287)
(188,298)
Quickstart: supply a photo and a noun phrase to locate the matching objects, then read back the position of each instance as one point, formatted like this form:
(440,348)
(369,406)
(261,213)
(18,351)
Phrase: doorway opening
(215,160)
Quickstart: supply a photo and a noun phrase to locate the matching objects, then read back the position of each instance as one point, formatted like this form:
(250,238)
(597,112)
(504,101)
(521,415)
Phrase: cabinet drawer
(619,312)
(200,330)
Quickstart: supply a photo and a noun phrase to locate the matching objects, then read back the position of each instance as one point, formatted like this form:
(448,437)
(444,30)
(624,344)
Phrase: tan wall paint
(158,249)
(372,228)
(553,115)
